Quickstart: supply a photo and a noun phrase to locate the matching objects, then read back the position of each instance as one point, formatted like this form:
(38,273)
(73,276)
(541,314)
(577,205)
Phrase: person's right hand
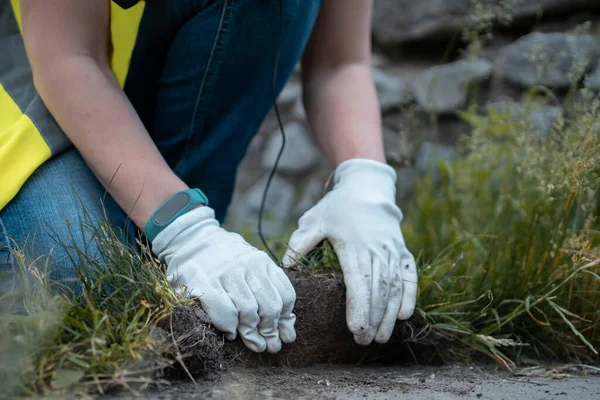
(240,288)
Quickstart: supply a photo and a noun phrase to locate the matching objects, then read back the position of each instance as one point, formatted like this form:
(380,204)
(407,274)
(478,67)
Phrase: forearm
(100,121)
(343,110)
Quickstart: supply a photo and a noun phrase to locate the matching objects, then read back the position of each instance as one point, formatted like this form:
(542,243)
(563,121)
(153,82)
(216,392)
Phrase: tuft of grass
(507,239)
(322,259)
(102,336)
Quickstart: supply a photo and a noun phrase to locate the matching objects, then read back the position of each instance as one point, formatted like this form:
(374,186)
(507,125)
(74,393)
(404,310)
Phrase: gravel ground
(352,382)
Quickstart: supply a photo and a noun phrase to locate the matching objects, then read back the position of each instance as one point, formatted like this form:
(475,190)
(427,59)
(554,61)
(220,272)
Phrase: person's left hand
(360,218)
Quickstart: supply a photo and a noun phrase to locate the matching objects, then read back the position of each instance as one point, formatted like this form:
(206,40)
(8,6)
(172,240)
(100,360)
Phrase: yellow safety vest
(28,134)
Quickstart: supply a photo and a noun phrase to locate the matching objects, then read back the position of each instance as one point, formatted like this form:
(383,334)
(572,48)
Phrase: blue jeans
(201,79)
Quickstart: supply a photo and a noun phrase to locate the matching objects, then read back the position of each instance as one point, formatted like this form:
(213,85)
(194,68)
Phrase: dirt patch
(329,382)
(323,336)
(379,382)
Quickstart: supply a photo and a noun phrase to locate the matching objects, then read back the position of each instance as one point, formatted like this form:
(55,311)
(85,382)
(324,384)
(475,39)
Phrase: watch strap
(177,205)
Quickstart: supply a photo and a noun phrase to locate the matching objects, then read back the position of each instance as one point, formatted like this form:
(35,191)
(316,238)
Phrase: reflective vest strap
(124,26)
(17,12)
(22,148)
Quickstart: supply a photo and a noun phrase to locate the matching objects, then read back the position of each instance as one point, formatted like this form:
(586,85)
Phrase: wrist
(151,197)
(187,230)
(366,169)
(174,207)
(359,154)
(364,177)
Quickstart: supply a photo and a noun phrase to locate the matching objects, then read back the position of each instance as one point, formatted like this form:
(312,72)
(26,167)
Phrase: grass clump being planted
(507,239)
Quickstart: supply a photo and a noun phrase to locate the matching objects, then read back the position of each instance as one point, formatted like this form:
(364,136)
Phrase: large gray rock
(396,149)
(291,92)
(541,118)
(431,155)
(405,184)
(392,90)
(378,60)
(400,21)
(311,193)
(593,80)
(278,206)
(548,59)
(442,89)
(298,112)
(299,154)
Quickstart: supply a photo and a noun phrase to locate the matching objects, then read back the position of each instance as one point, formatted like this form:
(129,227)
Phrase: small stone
(12,329)
(291,92)
(256,144)
(542,118)
(217,394)
(406,182)
(268,393)
(299,155)
(379,60)
(278,206)
(442,89)
(392,90)
(548,59)
(312,192)
(430,155)
(593,81)
(395,151)
(298,111)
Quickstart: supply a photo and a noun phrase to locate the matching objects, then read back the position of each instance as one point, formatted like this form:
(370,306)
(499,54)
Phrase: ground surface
(349,382)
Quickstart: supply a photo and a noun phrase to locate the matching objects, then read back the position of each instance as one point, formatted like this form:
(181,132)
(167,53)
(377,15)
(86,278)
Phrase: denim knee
(53,218)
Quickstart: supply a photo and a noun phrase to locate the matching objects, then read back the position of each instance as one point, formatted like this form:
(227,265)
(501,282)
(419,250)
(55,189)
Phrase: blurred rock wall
(431,58)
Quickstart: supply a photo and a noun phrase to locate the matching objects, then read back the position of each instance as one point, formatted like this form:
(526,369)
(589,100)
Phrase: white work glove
(240,288)
(360,218)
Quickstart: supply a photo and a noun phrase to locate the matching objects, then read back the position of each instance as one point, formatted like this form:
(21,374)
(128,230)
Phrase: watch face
(171,208)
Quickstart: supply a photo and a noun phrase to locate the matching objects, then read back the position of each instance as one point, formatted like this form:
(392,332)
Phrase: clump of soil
(196,343)
(322,334)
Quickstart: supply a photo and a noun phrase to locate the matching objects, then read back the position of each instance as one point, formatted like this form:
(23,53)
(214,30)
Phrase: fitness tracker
(180,203)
